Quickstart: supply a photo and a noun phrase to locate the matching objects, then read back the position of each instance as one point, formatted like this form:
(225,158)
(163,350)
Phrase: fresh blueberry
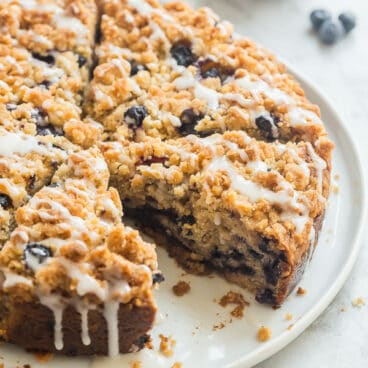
(348,21)
(5,201)
(330,32)
(183,54)
(158,277)
(189,120)
(11,106)
(36,253)
(318,17)
(135,115)
(81,60)
(268,126)
(48,58)
(135,67)
(49,129)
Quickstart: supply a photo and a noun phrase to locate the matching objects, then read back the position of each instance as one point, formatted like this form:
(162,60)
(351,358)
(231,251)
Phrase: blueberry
(39,116)
(318,17)
(32,181)
(49,129)
(81,60)
(348,21)
(135,115)
(135,67)
(46,84)
(157,278)
(189,120)
(48,58)
(36,253)
(268,126)
(11,106)
(5,201)
(183,54)
(330,32)
(211,73)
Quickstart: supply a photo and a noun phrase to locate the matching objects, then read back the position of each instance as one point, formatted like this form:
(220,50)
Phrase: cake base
(31,326)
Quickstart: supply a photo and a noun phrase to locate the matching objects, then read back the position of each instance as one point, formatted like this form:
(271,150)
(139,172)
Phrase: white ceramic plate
(190,319)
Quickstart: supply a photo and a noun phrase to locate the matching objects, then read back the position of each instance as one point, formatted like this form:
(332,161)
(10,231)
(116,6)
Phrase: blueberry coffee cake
(202,136)
(72,265)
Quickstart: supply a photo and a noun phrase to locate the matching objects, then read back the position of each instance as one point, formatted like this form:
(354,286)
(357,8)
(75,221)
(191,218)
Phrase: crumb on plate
(167,345)
(289,316)
(234,298)
(264,334)
(358,302)
(181,288)
(301,291)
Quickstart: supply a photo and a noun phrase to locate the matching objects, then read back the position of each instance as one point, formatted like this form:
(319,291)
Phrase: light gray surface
(337,339)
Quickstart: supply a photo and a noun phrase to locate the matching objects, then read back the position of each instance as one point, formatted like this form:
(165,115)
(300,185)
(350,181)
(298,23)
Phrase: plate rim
(285,338)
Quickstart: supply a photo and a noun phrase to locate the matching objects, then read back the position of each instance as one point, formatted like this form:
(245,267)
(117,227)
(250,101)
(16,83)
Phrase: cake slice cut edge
(249,209)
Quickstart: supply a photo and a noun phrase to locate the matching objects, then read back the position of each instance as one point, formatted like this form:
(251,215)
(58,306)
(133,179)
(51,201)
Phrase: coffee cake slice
(168,71)
(74,279)
(251,210)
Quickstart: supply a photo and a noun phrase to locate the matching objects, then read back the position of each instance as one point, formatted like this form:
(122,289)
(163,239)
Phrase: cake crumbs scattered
(336,176)
(358,302)
(137,364)
(234,298)
(301,291)
(343,309)
(181,288)
(44,357)
(290,326)
(167,345)
(177,365)
(264,334)
(289,316)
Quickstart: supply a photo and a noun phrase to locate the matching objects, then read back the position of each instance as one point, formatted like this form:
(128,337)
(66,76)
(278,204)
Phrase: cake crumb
(289,316)
(234,298)
(264,334)
(290,326)
(44,357)
(167,345)
(301,291)
(177,365)
(358,302)
(149,344)
(336,176)
(181,288)
(220,326)
(24,366)
(335,189)
(137,364)
(343,309)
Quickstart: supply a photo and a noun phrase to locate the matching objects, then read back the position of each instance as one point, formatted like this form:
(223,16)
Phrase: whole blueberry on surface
(318,17)
(348,21)
(330,32)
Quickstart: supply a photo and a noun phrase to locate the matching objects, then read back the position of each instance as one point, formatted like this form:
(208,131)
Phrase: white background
(337,339)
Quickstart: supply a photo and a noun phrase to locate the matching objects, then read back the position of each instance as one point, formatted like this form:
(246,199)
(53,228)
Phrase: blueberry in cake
(205,138)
